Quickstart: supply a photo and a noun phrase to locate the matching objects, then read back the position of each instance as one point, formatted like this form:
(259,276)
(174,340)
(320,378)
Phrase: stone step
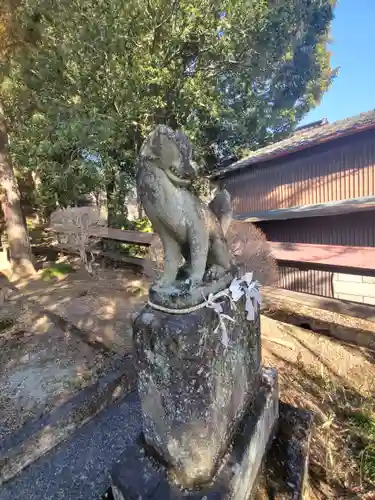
(39,435)
(78,468)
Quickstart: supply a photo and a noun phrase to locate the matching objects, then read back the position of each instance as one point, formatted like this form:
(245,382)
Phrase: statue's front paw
(162,283)
(191,283)
(215,272)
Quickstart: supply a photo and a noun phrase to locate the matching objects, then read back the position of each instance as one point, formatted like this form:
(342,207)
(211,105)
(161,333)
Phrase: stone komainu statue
(185,224)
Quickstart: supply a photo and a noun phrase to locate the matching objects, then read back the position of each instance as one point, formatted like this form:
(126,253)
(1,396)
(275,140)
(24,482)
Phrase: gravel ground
(79,468)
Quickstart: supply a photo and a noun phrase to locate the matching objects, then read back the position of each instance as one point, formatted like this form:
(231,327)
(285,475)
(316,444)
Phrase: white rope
(187,310)
(239,287)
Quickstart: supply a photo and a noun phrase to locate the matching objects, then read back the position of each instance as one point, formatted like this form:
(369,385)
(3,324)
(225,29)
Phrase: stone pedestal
(140,476)
(285,471)
(194,391)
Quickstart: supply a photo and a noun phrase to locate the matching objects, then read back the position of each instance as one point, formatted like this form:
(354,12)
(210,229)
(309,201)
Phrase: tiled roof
(304,138)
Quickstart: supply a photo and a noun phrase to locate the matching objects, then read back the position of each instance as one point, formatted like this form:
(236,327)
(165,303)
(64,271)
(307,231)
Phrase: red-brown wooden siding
(348,229)
(338,170)
(356,229)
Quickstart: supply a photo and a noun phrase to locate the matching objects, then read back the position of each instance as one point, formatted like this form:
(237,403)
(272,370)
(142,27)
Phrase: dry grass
(337,383)
(293,309)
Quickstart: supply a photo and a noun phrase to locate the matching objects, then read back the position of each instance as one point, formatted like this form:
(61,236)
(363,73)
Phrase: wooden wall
(338,170)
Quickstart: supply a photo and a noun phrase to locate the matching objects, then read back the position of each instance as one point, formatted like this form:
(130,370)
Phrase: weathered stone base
(194,390)
(140,477)
(285,474)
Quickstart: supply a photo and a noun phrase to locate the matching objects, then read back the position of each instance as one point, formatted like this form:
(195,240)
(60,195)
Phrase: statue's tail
(221,206)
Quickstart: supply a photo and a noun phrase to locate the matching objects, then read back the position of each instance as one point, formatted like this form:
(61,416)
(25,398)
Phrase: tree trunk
(110,192)
(18,239)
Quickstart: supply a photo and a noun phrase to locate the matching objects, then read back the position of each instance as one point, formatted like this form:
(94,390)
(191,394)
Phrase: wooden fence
(336,258)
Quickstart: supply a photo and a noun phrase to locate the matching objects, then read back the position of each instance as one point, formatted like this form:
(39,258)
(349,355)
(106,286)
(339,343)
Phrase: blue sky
(353,50)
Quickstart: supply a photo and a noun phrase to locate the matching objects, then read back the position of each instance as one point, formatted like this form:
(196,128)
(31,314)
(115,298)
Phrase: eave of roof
(299,142)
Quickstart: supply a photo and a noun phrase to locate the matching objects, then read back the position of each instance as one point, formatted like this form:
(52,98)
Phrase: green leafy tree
(234,74)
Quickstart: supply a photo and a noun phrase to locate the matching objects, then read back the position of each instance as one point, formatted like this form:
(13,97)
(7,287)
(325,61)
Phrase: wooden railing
(325,256)
(335,257)
(112,234)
